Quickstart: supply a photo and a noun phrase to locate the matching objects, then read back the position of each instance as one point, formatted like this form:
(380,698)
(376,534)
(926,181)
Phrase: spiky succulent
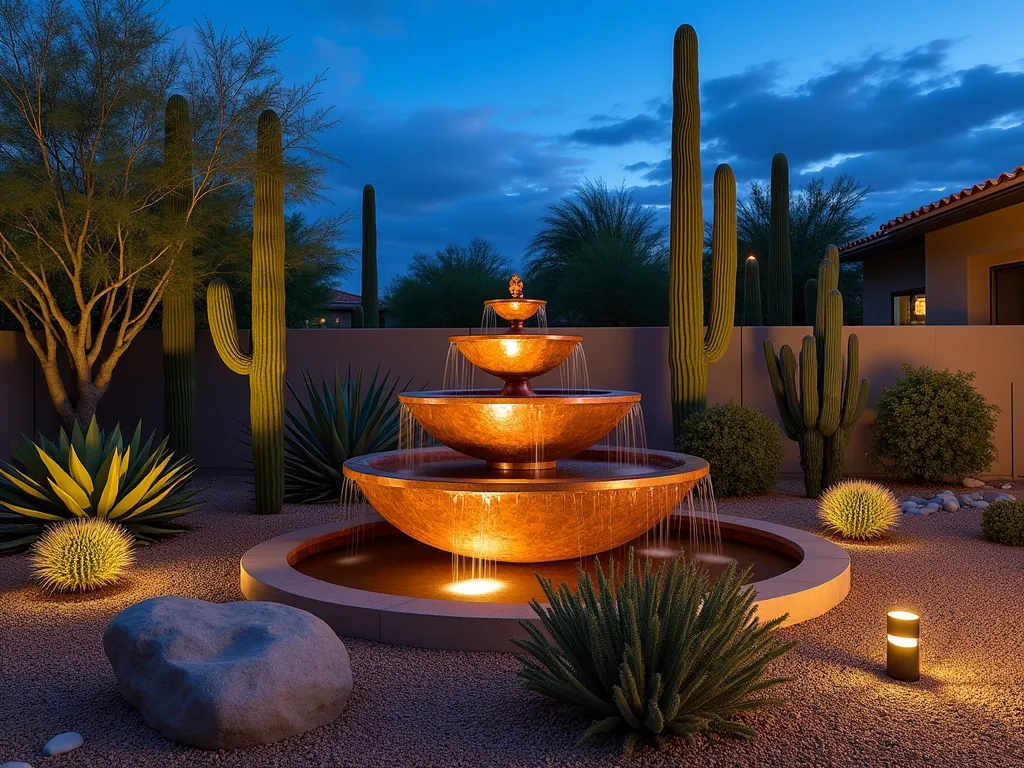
(81,554)
(93,474)
(654,654)
(334,424)
(858,509)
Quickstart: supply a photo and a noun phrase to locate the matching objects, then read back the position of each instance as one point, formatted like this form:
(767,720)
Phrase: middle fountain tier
(519,479)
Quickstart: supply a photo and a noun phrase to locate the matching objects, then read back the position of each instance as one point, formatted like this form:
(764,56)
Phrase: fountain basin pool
(394,602)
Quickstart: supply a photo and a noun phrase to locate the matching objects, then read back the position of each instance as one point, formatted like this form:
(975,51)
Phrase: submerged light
(472,587)
(903,654)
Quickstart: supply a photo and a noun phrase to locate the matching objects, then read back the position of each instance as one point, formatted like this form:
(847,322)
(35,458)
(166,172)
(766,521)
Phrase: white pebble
(65,742)
(1006,487)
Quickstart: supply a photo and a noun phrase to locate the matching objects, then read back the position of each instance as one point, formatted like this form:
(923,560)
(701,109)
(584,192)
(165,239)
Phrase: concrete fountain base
(819,582)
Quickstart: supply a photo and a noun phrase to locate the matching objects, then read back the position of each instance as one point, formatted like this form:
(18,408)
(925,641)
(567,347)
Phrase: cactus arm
(791,426)
(752,314)
(780,271)
(856,396)
(832,375)
(220,310)
(787,364)
(723,266)
(810,406)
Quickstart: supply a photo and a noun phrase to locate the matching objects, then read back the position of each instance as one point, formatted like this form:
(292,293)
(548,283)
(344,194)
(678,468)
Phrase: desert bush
(742,445)
(334,424)
(653,654)
(1003,523)
(858,509)
(93,474)
(932,425)
(81,554)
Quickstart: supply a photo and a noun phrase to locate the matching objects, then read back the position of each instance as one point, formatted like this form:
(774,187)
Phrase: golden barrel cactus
(81,554)
(858,509)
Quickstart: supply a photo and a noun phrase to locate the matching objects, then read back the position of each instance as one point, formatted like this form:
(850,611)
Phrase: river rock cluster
(947,501)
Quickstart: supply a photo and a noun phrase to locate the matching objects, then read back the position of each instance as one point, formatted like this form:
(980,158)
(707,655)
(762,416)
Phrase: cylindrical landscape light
(903,654)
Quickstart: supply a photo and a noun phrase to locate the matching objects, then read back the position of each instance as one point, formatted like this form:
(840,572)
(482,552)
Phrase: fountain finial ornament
(515,287)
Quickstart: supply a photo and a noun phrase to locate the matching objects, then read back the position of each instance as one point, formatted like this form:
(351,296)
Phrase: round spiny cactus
(858,509)
(81,554)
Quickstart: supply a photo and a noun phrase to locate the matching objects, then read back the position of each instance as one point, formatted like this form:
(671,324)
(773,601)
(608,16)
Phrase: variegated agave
(336,423)
(92,474)
(653,654)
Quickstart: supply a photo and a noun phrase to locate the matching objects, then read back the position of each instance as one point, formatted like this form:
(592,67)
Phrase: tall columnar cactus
(780,268)
(820,409)
(810,301)
(752,314)
(179,314)
(369,299)
(691,350)
(358,316)
(265,365)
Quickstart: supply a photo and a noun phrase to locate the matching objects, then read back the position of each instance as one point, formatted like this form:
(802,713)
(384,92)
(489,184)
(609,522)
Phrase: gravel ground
(428,708)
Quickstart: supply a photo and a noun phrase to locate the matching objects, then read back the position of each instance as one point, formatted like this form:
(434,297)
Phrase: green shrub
(1003,523)
(932,425)
(336,423)
(655,654)
(742,445)
(81,554)
(858,509)
(93,474)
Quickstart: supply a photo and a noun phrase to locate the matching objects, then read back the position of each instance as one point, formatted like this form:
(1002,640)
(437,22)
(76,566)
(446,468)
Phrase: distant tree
(819,216)
(600,259)
(448,289)
(85,255)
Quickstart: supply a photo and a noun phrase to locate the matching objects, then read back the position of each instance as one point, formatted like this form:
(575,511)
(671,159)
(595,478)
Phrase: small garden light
(903,654)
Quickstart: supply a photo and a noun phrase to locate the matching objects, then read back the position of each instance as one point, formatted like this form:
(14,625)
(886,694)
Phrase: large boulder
(228,675)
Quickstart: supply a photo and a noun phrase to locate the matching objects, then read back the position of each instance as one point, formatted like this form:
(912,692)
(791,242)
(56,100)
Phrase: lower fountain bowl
(592,502)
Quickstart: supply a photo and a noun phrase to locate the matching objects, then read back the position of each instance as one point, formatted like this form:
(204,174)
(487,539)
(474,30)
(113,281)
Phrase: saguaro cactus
(371,314)
(810,301)
(179,314)
(358,316)
(780,267)
(752,314)
(691,350)
(265,365)
(819,412)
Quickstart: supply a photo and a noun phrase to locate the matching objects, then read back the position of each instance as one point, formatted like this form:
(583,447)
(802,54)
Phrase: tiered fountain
(516,486)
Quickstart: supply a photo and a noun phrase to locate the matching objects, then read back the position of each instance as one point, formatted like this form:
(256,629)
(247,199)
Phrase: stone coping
(819,582)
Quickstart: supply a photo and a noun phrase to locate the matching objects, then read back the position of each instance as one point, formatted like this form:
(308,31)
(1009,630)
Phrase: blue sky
(471,116)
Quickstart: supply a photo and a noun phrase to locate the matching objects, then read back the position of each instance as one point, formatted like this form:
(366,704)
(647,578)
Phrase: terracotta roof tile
(344,297)
(963,194)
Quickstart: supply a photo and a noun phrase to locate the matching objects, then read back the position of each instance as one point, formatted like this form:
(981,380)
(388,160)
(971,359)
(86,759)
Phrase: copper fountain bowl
(516,358)
(593,502)
(519,432)
(516,310)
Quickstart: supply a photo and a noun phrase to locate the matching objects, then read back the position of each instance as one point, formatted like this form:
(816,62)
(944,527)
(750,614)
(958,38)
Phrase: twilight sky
(471,116)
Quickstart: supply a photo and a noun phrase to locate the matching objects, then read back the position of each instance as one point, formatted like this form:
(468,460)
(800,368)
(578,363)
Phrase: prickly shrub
(742,445)
(1003,523)
(858,509)
(653,654)
(81,554)
(931,425)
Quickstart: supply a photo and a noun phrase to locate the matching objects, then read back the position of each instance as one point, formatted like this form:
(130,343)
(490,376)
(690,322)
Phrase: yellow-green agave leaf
(28,485)
(109,495)
(69,502)
(62,480)
(34,513)
(79,473)
(139,492)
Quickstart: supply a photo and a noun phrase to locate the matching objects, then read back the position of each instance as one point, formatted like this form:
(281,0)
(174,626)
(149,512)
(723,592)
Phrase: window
(1008,294)
(909,307)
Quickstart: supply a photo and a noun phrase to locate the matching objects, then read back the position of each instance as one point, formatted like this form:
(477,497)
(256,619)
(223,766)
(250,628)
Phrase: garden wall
(618,358)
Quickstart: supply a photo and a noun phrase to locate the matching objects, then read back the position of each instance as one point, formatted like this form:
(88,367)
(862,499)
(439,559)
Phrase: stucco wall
(622,358)
(958,262)
(903,270)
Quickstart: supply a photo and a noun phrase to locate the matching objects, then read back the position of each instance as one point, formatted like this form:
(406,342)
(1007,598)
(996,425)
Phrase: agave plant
(92,475)
(654,655)
(336,423)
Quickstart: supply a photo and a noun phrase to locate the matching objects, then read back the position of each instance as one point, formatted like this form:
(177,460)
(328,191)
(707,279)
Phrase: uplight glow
(471,587)
(904,615)
(903,642)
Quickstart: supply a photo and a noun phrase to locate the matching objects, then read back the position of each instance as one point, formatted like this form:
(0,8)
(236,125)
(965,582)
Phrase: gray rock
(65,742)
(15,764)
(932,506)
(921,511)
(970,482)
(976,496)
(979,504)
(917,500)
(908,506)
(228,675)
(951,505)
(991,496)
(1002,497)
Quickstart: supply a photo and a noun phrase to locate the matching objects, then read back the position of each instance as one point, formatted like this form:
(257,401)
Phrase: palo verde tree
(86,253)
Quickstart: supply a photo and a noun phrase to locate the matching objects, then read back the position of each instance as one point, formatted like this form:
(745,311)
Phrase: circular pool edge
(818,583)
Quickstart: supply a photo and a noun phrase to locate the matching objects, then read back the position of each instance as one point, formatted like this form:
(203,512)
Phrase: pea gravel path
(424,708)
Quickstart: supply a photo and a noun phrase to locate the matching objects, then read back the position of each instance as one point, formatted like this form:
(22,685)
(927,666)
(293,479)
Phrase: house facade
(957,261)
(338,314)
